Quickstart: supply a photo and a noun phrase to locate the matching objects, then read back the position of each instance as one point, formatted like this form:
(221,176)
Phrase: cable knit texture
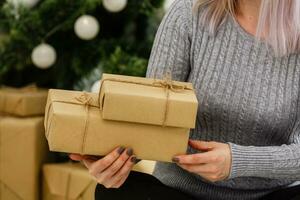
(247,98)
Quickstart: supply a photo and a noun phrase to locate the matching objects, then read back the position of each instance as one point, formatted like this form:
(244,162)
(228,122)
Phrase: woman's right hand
(112,170)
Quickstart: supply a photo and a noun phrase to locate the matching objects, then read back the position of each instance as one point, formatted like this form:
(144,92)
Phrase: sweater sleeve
(171,48)
(275,162)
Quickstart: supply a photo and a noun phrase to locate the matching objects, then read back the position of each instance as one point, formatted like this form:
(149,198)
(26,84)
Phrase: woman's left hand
(213,163)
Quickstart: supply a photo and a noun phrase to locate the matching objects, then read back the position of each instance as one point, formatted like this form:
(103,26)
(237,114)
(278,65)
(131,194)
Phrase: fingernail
(121,150)
(135,160)
(175,159)
(129,152)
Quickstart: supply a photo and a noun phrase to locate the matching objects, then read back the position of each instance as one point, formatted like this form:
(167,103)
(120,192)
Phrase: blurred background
(68,44)
(64,44)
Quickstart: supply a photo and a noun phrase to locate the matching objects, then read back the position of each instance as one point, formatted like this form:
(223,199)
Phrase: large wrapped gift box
(23,149)
(27,101)
(149,101)
(67,181)
(74,124)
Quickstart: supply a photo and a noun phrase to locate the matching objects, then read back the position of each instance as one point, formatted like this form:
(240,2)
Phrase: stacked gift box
(24,151)
(67,181)
(151,116)
(23,148)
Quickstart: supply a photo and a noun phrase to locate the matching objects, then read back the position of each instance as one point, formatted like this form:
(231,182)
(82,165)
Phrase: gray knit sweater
(247,98)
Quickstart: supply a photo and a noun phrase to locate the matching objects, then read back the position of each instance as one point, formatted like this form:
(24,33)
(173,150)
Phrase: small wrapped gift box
(23,150)
(74,124)
(148,101)
(27,101)
(68,181)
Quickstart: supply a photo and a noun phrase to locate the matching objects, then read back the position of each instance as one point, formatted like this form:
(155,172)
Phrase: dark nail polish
(134,160)
(121,150)
(175,159)
(129,152)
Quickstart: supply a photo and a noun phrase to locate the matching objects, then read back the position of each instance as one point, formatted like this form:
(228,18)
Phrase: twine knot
(84,98)
(168,84)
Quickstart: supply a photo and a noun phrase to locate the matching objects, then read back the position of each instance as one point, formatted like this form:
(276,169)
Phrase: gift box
(74,124)
(27,101)
(67,181)
(23,149)
(148,101)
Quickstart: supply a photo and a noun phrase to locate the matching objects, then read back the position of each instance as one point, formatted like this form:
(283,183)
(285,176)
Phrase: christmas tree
(118,39)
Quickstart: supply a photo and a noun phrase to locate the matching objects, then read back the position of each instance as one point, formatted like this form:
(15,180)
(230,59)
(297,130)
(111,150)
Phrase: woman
(243,58)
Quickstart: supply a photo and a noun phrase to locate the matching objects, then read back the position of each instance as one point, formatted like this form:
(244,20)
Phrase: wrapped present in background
(23,150)
(149,101)
(74,124)
(68,181)
(27,101)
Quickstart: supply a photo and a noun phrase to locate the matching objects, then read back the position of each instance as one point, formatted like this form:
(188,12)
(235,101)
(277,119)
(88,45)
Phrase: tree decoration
(43,56)
(96,87)
(114,5)
(24,3)
(86,27)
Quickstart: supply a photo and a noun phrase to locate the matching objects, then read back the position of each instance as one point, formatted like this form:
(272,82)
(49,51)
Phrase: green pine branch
(122,46)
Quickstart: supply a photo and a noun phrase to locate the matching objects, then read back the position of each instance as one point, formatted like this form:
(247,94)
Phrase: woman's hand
(213,164)
(112,170)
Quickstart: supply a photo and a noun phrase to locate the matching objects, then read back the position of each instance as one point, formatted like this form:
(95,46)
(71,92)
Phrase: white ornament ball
(114,5)
(25,3)
(43,56)
(96,87)
(86,27)
(168,4)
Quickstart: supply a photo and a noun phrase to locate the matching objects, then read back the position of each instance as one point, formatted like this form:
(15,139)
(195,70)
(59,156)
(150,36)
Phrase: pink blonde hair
(278,25)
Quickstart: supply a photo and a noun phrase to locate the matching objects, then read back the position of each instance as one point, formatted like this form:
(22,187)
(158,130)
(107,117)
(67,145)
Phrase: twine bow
(84,98)
(166,83)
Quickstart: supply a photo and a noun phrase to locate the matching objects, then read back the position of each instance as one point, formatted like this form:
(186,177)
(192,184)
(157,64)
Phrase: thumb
(201,145)
(76,157)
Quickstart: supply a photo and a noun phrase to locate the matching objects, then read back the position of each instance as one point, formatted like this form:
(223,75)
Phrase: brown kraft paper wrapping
(149,101)
(67,181)
(23,149)
(74,125)
(24,102)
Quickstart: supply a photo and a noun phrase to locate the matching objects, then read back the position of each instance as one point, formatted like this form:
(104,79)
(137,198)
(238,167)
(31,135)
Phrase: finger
(76,157)
(88,163)
(201,145)
(108,177)
(101,164)
(198,158)
(122,180)
(117,165)
(124,172)
(127,167)
(92,158)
